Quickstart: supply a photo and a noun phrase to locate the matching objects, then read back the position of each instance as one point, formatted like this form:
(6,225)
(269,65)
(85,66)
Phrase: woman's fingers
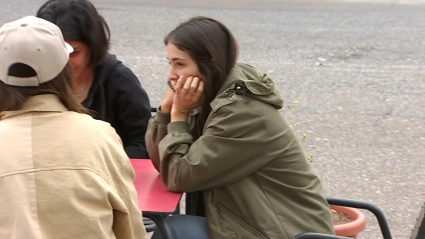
(180,83)
(188,86)
(199,88)
(189,93)
(184,85)
(194,85)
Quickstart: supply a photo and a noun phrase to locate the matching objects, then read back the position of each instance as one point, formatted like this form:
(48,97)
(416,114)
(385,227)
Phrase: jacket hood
(258,85)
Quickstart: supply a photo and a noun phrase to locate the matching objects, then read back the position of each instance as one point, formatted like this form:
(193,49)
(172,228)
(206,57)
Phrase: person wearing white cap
(63,174)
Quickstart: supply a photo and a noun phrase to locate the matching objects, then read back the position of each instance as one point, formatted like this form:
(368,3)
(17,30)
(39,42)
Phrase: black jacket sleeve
(132,110)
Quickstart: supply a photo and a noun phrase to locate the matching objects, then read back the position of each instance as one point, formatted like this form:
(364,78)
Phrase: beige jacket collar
(38,103)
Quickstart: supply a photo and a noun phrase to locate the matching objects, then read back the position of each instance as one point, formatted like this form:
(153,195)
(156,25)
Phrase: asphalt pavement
(354,67)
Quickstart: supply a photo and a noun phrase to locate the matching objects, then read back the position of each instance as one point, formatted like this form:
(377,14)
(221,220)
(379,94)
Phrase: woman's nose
(172,76)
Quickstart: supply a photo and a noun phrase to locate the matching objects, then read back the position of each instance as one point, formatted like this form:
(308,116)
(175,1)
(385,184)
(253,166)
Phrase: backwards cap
(34,42)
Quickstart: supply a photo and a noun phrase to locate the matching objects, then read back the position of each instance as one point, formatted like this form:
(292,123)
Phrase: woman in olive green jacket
(219,136)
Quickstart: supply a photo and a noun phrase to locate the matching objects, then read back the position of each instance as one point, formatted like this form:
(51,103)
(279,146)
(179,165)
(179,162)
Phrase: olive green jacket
(255,179)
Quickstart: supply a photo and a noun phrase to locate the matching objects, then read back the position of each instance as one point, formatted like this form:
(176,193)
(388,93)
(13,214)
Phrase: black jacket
(117,97)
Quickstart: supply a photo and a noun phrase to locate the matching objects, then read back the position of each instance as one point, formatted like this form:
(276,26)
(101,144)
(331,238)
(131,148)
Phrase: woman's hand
(188,96)
(167,101)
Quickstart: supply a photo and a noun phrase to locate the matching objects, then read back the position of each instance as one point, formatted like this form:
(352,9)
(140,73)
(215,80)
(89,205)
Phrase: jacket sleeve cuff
(162,118)
(178,127)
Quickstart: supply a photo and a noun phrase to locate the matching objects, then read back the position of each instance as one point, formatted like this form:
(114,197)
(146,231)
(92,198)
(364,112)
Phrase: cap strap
(22,81)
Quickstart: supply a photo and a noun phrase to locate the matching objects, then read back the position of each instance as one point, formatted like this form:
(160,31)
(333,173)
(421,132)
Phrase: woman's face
(79,59)
(180,64)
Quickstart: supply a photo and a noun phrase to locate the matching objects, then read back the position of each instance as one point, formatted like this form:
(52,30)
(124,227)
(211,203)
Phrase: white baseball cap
(34,42)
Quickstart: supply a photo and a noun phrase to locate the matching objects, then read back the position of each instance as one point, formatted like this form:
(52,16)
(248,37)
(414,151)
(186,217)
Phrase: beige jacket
(248,164)
(64,175)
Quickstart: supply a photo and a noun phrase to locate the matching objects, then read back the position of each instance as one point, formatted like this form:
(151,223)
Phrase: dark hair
(13,97)
(213,48)
(79,21)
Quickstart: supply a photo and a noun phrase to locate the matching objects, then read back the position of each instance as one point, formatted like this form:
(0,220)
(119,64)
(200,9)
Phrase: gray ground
(355,67)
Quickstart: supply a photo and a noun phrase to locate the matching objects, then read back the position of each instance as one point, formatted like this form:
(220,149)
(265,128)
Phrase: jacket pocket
(239,222)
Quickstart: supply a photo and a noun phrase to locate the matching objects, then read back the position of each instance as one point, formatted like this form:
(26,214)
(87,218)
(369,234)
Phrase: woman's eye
(179,64)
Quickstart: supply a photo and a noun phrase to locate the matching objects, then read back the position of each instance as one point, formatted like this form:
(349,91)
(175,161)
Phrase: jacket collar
(38,103)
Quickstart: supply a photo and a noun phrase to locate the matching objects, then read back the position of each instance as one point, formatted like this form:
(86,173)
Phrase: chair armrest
(385,230)
(159,220)
(314,235)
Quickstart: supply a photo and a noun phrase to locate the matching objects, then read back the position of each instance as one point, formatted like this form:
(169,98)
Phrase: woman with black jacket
(102,83)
